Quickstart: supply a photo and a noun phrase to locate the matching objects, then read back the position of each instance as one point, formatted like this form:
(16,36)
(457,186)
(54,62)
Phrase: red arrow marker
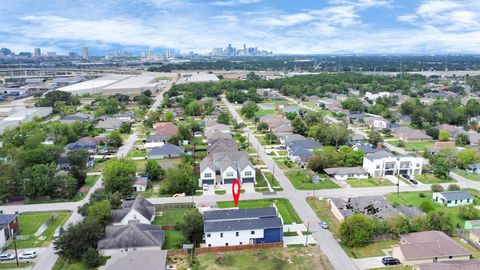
(236,191)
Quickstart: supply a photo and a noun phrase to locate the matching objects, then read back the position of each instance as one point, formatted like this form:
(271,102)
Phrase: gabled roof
(451,265)
(138,259)
(410,212)
(133,235)
(379,155)
(109,123)
(165,128)
(247,213)
(456,195)
(140,204)
(305,144)
(243,224)
(141,181)
(7,218)
(345,170)
(166,150)
(410,133)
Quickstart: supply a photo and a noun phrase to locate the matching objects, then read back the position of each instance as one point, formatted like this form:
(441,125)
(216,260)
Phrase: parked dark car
(390,261)
(406,176)
(415,182)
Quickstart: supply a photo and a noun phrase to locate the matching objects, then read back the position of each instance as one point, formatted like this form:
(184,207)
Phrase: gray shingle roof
(242,224)
(167,150)
(410,212)
(132,235)
(378,155)
(140,204)
(456,195)
(139,259)
(345,170)
(225,214)
(7,218)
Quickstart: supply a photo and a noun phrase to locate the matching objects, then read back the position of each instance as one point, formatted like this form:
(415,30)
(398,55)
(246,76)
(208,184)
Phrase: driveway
(368,263)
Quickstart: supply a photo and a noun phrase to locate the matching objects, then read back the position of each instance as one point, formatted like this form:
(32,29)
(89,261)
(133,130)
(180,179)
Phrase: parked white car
(29,254)
(7,257)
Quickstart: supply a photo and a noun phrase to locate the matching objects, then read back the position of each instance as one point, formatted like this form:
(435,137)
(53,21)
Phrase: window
(252,232)
(236,234)
(378,167)
(221,234)
(209,245)
(418,165)
(208,235)
(241,243)
(226,244)
(248,173)
(450,257)
(208,175)
(229,174)
(468,200)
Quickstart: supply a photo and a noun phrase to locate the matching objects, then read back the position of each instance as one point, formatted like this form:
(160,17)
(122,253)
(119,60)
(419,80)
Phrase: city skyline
(284,27)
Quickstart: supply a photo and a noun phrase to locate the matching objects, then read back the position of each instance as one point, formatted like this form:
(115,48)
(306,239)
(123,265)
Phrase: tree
(325,157)
(193,108)
(357,230)
(462,139)
(426,206)
(469,212)
(270,138)
(65,186)
(224,118)
(453,187)
(466,157)
(168,117)
(91,258)
(443,136)
(118,175)
(374,137)
(436,188)
(441,221)
(38,180)
(78,158)
(115,139)
(262,126)
(349,158)
(125,127)
(353,104)
(78,238)
(154,171)
(299,126)
(249,109)
(100,211)
(192,226)
(398,224)
(180,180)
(432,132)
(441,168)
(10,181)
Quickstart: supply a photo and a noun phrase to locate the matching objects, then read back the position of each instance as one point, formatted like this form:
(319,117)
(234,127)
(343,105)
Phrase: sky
(282,26)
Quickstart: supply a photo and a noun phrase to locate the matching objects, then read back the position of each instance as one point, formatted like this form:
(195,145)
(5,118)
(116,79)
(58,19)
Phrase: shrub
(453,187)
(437,188)
(426,206)
(91,258)
(421,195)
(469,212)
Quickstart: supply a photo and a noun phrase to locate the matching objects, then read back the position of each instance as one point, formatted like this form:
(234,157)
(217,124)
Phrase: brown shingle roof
(430,244)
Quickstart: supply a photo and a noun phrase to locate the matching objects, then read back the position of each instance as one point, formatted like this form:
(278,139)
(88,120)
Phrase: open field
(370,182)
(284,207)
(371,250)
(427,178)
(471,176)
(414,146)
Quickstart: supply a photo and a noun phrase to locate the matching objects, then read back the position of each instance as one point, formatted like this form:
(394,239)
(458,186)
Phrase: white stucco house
(345,173)
(453,198)
(384,163)
(139,210)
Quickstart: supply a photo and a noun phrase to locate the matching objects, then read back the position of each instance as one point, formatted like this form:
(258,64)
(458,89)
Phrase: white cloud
(287,20)
(229,3)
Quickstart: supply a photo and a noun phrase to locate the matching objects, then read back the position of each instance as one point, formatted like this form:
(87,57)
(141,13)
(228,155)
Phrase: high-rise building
(37,52)
(217,51)
(85,53)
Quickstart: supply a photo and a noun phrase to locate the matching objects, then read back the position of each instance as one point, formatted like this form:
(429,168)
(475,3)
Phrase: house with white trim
(139,210)
(384,163)
(453,198)
(223,167)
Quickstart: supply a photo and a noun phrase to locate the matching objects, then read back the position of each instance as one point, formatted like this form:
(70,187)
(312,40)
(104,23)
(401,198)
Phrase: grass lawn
(273,181)
(170,216)
(370,182)
(475,253)
(393,268)
(140,164)
(31,222)
(471,176)
(13,265)
(136,153)
(280,258)
(371,250)
(220,192)
(321,208)
(290,234)
(91,180)
(263,112)
(174,239)
(286,210)
(414,199)
(63,264)
(411,146)
(427,178)
(301,180)
(261,181)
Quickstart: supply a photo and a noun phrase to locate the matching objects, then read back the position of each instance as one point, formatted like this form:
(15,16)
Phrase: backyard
(371,250)
(284,207)
(301,180)
(170,216)
(414,146)
(370,182)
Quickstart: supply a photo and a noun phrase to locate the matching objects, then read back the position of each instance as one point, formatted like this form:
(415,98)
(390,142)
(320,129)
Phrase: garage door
(208,182)
(248,180)
(228,181)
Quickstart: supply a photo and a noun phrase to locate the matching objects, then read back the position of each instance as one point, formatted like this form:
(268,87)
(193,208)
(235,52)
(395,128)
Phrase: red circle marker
(236,191)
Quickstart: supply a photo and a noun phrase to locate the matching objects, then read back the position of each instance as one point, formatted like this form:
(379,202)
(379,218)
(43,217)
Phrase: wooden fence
(160,207)
(205,250)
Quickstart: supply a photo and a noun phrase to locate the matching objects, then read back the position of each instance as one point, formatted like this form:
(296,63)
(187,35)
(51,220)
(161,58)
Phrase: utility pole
(306,236)
(15,246)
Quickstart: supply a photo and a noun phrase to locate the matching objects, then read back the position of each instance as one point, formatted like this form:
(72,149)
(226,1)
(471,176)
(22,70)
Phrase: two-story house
(223,167)
(384,163)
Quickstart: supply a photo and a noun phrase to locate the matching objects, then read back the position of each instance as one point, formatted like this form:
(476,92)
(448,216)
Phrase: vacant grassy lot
(471,176)
(371,250)
(414,146)
(171,216)
(136,153)
(31,222)
(292,258)
(301,180)
(321,209)
(286,210)
(428,178)
(264,112)
(370,182)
